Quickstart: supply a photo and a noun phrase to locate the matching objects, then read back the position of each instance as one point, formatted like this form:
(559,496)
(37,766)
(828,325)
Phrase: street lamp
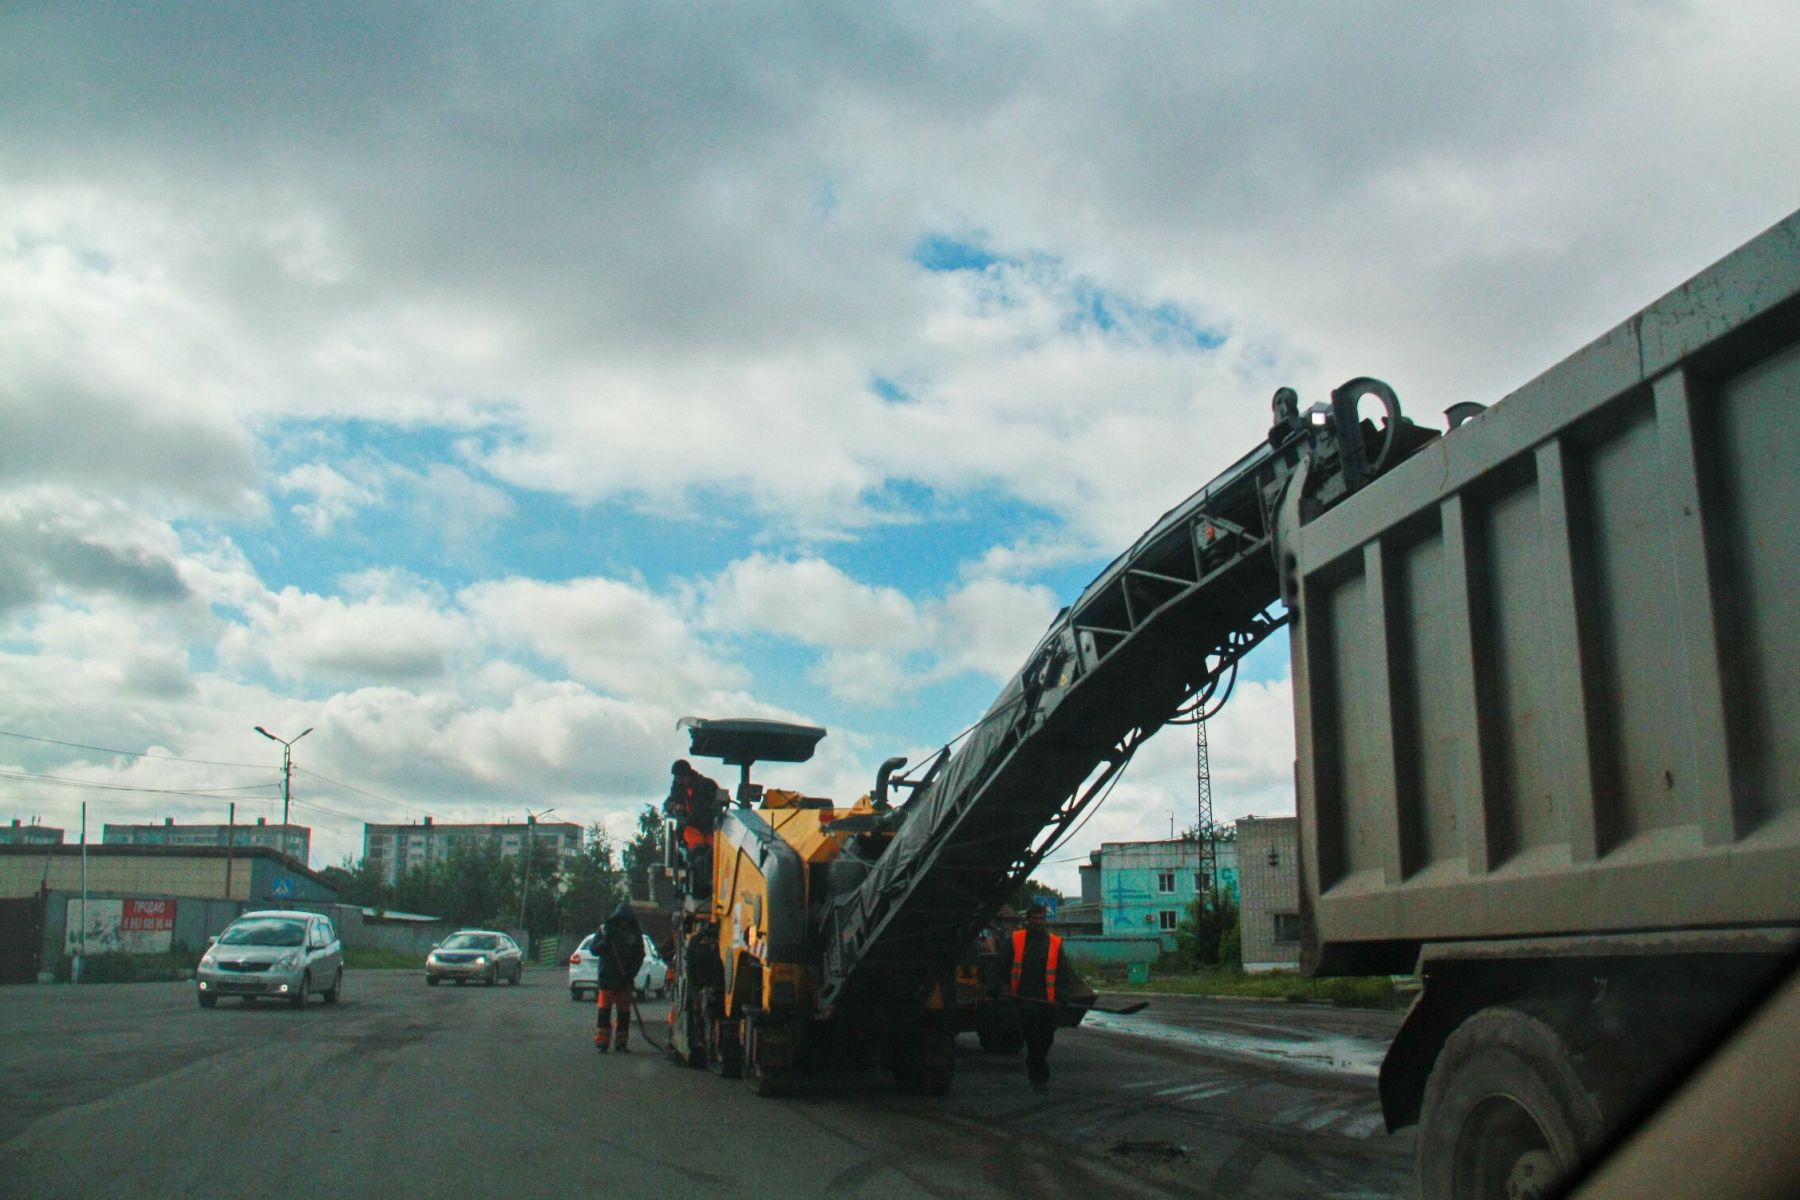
(287,770)
(531,820)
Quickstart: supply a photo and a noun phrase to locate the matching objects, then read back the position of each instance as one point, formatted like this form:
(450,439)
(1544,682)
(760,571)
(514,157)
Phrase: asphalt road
(400,1090)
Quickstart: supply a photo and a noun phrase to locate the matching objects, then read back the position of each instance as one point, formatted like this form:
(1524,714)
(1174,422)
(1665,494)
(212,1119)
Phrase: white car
(584,971)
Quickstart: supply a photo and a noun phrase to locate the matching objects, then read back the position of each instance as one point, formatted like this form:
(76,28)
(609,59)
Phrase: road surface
(401,1090)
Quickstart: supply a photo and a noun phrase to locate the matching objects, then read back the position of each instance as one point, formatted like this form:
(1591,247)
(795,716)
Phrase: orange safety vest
(1050,960)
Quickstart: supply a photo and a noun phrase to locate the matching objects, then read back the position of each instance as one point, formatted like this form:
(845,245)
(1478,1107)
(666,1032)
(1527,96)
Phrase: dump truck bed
(1547,670)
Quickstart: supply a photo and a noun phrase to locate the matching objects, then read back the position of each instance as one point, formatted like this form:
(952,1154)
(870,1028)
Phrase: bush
(1373,991)
(128,968)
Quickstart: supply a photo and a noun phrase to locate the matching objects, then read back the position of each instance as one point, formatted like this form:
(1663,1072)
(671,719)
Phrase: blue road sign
(283,889)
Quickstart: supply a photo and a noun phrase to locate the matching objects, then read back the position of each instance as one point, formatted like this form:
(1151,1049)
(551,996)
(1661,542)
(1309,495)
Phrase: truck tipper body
(1546,686)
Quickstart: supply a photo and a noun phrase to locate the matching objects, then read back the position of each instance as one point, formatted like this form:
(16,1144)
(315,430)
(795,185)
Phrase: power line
(97,786)
(361,792)
(26,737)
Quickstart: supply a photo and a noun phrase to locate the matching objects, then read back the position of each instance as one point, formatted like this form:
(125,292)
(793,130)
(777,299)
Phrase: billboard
(120,927)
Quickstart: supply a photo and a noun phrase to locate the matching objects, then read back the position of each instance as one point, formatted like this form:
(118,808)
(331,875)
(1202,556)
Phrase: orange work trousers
(612,1019)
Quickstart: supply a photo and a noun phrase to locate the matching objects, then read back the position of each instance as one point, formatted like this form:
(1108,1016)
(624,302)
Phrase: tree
(357,881)
(644,853)
(1208,934)
(1031,890)
(595,885)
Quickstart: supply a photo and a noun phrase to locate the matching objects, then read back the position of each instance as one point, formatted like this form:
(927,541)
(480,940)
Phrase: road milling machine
(817,933)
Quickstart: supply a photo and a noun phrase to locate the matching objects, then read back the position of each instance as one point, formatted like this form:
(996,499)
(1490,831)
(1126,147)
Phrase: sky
(487,387)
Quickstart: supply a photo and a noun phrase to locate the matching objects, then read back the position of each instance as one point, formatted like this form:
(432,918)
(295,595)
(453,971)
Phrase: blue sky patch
(939,252)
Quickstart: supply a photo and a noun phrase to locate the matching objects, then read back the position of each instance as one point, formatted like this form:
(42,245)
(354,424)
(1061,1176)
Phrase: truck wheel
(1504,1113)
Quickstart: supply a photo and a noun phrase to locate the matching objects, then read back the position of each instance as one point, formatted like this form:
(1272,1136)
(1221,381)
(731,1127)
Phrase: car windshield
(471,941)
(265,932)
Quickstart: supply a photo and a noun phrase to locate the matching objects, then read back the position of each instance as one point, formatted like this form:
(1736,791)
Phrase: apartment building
(295,841)
(397,849)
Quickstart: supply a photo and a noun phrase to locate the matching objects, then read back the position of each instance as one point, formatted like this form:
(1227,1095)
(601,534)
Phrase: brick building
(1268,862)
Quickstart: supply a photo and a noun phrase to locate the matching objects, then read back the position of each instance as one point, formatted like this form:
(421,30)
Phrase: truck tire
(1505,1114)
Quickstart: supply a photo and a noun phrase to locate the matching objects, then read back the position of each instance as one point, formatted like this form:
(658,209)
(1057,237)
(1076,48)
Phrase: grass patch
(380,958)
(1371,991)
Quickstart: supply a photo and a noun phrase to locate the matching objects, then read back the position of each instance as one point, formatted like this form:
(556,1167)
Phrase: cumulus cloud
(879,646)
(334,496)
(611,635)
(298,635)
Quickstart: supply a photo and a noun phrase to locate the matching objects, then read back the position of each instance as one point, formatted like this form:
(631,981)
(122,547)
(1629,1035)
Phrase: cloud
(335,496)
(608,634)
(879,646)
(298,635)
(53,541)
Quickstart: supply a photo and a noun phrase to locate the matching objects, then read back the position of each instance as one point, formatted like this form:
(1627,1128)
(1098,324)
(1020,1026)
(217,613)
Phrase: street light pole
(287,771)
(531,820)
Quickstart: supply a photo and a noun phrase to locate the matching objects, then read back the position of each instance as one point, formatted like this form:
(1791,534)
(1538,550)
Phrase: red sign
(147,916)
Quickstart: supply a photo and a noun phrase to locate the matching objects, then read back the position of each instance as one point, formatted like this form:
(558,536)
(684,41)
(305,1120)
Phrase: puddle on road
(1339,1055)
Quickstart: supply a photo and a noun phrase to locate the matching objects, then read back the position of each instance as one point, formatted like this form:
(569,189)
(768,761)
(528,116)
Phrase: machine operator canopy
(740,741)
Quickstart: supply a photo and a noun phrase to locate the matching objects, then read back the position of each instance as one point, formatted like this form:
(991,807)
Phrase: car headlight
(288,962)
(481,960)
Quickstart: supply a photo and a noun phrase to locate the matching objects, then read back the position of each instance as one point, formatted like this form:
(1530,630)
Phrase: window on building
(1169,919)
(1165,881)
(1199,881)
(1287,927)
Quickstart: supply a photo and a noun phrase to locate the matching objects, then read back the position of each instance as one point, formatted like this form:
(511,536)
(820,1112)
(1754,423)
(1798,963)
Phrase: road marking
(1320,1120)
(1184,1089)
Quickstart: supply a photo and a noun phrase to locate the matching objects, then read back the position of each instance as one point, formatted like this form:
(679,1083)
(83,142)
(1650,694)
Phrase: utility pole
(230,843)
(81,940)
(287,772)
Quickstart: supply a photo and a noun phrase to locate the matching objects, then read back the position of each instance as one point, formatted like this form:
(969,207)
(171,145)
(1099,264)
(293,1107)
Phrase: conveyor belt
(1153,634)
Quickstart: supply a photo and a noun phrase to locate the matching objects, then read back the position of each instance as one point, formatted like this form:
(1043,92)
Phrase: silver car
(483,954)
(283,955)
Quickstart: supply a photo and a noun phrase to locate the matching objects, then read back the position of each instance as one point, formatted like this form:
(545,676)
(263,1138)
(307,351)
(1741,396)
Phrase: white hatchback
(584,971)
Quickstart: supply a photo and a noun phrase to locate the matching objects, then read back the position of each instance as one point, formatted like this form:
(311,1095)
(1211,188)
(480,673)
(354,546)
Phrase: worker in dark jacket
(618,952)
(1039,974)
(693,804)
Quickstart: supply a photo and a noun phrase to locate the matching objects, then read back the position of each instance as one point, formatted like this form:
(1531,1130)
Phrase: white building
(295,841)
(397,849)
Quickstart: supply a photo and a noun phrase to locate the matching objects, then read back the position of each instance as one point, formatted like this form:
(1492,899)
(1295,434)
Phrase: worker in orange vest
(1039,974)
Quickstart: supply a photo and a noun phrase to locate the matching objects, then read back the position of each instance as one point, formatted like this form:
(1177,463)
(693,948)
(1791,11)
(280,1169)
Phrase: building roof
(238,853)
